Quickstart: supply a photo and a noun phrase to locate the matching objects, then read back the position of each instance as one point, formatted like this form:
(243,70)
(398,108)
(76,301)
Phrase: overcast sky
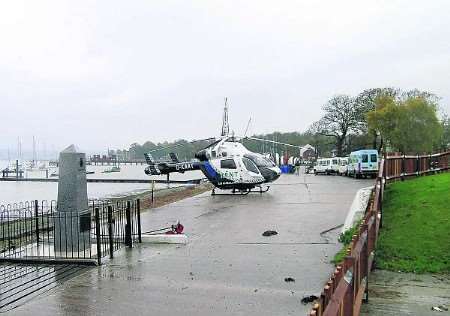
(108,73)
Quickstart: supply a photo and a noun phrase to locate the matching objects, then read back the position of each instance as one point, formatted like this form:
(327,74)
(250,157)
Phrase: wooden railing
(402,166)
(348,285)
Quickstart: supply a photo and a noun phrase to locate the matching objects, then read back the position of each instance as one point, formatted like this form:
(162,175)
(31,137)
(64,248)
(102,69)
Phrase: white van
(343,164)
(334,165)
(363,163)
(321,166)
(326,165)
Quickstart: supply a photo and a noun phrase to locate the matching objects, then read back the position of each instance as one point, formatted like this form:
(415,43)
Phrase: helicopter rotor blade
(181,144)
(272,141)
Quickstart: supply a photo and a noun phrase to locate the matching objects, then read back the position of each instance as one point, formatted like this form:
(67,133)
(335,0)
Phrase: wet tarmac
(403,294)
(228,267)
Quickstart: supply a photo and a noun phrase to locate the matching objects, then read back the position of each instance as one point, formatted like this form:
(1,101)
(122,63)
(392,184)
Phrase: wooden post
(402,168)
(366,255)
(349,298)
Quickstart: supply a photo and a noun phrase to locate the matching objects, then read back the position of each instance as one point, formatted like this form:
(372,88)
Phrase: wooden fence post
(349,298)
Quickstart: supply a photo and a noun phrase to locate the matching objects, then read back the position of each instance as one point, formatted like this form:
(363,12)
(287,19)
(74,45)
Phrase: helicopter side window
(227,164)
(249,165)
(213,154)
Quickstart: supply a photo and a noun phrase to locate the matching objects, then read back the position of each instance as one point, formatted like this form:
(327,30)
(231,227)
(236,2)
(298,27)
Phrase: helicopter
(226,163)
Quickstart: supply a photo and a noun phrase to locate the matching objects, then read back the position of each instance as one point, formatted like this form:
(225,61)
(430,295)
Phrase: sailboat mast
(34,153)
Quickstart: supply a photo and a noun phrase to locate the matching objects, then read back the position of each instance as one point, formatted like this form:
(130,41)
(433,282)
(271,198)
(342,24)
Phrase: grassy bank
(166,196)
(416,226)
(345,239)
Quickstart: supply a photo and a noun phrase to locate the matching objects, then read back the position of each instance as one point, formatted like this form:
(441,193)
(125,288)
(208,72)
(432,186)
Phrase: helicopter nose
(277,172)
(270,174)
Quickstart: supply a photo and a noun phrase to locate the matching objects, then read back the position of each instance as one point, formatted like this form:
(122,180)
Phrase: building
(308,152)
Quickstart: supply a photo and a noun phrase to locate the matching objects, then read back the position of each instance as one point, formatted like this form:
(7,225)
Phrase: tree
(342,116)
(445,141)
(409,125)
(416,93)
(366,102)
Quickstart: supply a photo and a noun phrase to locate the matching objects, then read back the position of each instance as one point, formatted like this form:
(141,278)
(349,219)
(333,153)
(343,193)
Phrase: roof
(306,148)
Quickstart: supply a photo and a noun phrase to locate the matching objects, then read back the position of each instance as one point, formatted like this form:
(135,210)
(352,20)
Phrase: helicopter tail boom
(165,167)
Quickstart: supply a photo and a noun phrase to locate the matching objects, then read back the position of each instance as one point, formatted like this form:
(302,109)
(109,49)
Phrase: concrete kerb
(358,207)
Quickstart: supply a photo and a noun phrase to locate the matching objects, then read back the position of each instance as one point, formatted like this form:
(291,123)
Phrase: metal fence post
(36,219)
(138,209)
(128,239)
(153,189)
(98,235)
(110,232)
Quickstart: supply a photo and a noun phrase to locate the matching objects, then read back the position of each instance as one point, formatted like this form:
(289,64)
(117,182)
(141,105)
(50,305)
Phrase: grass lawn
(416,226)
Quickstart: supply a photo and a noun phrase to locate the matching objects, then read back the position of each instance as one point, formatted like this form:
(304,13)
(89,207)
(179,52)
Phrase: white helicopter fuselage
(228,164)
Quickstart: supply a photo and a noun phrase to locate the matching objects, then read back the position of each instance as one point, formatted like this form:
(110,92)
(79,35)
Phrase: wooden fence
(402,166)
(348,285)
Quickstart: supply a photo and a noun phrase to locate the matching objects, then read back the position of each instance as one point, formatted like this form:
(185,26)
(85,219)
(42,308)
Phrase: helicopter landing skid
(242,192)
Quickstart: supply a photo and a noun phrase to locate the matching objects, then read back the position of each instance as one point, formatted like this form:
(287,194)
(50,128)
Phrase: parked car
(363,163)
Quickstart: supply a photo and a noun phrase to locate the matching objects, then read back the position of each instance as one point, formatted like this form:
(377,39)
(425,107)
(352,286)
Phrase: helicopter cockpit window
(260,161)
(249,165)
(227,164)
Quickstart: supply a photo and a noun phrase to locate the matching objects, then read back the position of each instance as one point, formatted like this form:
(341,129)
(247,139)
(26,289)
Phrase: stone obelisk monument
(73,220)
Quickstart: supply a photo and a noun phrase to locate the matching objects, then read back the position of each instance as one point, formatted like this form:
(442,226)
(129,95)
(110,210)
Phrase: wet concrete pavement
(228,267)
(402,294)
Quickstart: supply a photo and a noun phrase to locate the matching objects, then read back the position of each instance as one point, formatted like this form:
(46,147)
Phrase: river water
(14,192)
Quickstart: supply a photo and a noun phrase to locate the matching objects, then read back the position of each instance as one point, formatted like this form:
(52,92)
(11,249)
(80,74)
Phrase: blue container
(285,168)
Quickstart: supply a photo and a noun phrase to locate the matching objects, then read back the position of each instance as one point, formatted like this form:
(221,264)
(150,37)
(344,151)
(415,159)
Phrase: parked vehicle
(343,164)
(326,166)
(363,163)
(321,166)
(334,165)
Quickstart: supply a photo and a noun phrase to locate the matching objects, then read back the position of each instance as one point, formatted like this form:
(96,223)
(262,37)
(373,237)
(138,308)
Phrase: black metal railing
(37,231)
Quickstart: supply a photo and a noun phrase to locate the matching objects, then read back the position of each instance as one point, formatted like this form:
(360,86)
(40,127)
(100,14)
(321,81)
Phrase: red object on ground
(176,229)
